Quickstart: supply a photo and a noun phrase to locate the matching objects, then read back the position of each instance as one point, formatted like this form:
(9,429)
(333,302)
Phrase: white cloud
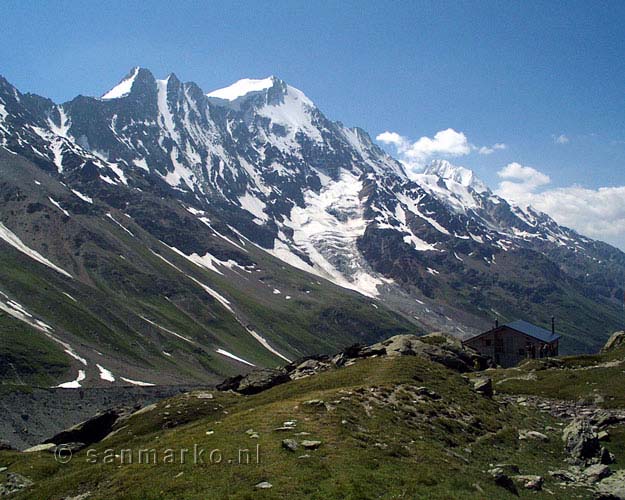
(391,138)
(445,143)
(486,150)
(526,175)
(561,139)
(598,213)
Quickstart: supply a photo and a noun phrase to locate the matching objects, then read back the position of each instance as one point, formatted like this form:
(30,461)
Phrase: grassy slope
(596,378)
(398,449)
(27,356)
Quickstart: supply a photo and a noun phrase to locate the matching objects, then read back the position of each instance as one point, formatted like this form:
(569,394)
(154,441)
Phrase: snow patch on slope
(58,205)
(74,384)
(223,352)
(137,382)
(263,341)
(123,88)
(14,241)
(19,312)
(241,88)
(83,197)
(105,374)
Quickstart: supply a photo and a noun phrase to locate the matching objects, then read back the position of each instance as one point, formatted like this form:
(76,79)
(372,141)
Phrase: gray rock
(289,444)
(41,447)
(503,480)
(310,444)
(563,475)
(581,441)
(82,496)
(90,431)
(616,340)
(483,385)
(445,351)
(508,468)
(14,483)
(317,403)
(525,435)
(596,473)
(605,457)
(534,483)
(603,436)
(426,392)
(613,487)
(71,447)
(255,382)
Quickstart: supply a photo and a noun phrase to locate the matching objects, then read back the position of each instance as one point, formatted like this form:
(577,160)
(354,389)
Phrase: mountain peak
(274,90)
(244,87)
(461,175)
(125,86)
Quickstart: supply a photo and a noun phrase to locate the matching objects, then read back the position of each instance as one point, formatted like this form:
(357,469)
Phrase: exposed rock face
(484,386)
(256,381)
(503,480)
(534,483)
(14,483)
(596,473)
(616,340)
(289,444)
(40,447)
(581,441)
(445,351)
(613,487)
(90,431)
(448,352)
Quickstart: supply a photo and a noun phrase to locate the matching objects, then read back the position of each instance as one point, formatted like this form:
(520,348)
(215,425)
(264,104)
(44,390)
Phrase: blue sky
(515,73)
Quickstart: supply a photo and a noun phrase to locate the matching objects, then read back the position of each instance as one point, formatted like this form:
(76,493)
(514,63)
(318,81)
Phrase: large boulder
(437,348)
(484,386)
(256,381)
(14,484)
(90,431)
(616,340)
(613,487)
(581,441)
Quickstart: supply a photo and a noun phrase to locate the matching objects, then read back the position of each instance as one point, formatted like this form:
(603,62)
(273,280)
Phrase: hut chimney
(553,325)
(496,323)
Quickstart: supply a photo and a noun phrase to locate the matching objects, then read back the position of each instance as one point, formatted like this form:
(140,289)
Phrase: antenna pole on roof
(553,325)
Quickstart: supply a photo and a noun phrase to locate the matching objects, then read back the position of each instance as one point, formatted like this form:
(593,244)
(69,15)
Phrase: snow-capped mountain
(258,162)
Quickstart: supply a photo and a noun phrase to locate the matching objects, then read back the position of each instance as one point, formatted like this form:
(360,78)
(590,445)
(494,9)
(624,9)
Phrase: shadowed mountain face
(161,234)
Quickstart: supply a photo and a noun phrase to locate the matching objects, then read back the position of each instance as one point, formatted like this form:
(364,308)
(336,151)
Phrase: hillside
(376,425)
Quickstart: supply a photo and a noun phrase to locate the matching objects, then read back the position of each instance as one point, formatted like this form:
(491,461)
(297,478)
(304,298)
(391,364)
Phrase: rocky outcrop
(435,347)
(90,431)
(14,484)
(255,382)
(581,441)
(616,340)
(484,386)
